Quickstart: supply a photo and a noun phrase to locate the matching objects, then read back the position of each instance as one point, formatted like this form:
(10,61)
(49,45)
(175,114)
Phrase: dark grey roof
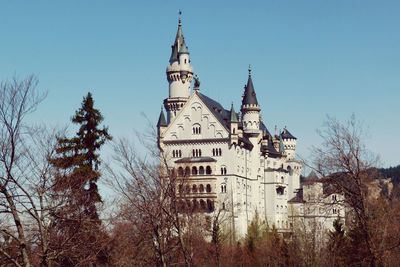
(298,198)
(271,149)
(264,129)
(174,54)
(179,45)
(161,120)
(286,134)
(249,97)
(233,117)
(183,49)
(216,108)
(195,160)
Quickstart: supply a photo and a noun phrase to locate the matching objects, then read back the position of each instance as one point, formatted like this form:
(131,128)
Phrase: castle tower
(179,75)
(250,109)
(289,144)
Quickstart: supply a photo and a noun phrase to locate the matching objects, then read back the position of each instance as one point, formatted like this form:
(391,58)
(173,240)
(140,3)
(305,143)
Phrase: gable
(196,121)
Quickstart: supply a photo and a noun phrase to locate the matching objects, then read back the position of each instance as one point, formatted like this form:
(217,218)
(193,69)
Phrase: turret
(288,143)
(161,125)
(250,109)
(233,125)
(179,75)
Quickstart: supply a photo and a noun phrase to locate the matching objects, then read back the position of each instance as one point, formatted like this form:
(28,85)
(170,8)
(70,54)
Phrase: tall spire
(249,97)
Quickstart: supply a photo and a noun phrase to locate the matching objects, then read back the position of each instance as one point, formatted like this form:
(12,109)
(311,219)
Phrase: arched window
(201,188)
(196,129)
(194,170)
(180,188)
(180,171)
(210,205)
(187,188)
(201,170)
(213,152)
(173,153)
(219,152)
(194,188)
(180,153)
(208,188)
(195,205)
(208,170)
(199,152)
(187,171)
(223,205)
(202,204)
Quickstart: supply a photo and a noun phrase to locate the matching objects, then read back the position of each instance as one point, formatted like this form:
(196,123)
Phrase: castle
(231,159)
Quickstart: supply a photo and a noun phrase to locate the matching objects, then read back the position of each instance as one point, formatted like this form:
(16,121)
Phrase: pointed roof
(249,97)
(179,45)
(286,134)
(271,149)
(233,115)
(161,120)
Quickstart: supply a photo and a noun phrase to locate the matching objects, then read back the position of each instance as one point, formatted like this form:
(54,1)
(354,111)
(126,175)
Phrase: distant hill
(391,172)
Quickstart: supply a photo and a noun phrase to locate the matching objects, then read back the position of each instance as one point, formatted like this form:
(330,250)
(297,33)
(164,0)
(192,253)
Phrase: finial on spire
(249,70)
(180,19)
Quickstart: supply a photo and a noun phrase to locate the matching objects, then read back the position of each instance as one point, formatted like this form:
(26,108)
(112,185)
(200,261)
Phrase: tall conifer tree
(77,161)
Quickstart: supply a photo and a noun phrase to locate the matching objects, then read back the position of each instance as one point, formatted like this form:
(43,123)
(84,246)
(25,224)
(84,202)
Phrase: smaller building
(315,207)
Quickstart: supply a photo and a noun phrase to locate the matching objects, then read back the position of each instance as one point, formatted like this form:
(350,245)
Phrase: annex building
(230,160)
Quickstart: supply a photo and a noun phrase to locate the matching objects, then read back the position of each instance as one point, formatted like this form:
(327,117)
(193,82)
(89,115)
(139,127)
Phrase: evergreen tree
(77,160)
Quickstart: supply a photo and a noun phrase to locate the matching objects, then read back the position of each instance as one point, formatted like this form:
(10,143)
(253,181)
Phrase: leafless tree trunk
(24,171)
(345,161)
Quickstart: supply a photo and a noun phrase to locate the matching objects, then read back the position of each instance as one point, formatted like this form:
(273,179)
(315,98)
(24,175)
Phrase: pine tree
(77,160)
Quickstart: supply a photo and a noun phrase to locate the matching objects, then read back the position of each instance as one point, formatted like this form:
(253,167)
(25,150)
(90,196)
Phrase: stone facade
(230,160)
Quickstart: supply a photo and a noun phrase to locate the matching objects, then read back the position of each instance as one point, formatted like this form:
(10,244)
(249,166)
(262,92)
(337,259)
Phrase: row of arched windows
(217,152)
(194,171)
(177,153)
(196,205)
(196,153)
(195,188)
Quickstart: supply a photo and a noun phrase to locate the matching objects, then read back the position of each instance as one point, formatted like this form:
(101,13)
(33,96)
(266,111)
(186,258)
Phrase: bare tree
(346,163)
(17,100)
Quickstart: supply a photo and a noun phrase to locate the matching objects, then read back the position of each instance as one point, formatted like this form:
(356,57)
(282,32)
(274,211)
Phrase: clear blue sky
(309,59)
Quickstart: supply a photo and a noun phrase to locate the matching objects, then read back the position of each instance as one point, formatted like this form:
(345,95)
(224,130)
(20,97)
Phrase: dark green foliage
(78,158)
(79,231)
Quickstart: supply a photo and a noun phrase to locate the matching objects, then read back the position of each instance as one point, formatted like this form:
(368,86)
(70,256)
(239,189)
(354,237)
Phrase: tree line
(52,214)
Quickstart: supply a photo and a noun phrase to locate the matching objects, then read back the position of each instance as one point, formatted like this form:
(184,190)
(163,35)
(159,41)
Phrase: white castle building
(231,160)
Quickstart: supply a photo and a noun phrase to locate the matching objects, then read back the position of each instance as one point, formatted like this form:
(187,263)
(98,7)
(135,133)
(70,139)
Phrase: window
(194,188)
(201,188)
(196,153)
(223,188)
(201,170)
(223,170)
(217,152)
(208,170)
(210,205)
(208,188)
(177,153)
(194,170)
(187,171)
(202,204)
(196,129)
(223,205)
